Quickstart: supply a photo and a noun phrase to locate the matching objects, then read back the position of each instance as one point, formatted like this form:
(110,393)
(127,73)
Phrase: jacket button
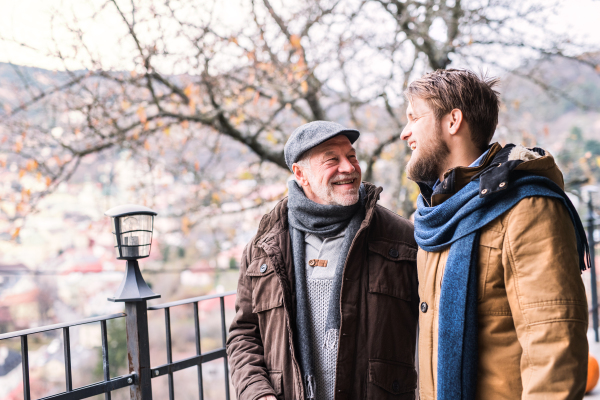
(396,386)
(393,253)
(424,307)
(263,268)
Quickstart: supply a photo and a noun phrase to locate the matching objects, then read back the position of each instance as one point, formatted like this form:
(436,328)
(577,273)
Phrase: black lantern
(132,229)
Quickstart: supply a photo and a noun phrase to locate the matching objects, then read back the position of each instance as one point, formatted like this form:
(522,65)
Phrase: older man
(327,295)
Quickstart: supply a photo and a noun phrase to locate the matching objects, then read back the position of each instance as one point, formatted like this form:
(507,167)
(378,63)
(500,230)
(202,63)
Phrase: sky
(29,22)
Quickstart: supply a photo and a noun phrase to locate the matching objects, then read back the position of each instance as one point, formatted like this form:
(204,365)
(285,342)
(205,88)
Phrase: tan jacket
(532,310)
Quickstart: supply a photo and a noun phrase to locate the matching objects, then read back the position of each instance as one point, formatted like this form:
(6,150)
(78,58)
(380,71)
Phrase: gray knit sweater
(319,285)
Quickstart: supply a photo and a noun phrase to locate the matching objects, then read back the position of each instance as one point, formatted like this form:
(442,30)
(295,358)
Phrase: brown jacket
(379,312)
(532,310)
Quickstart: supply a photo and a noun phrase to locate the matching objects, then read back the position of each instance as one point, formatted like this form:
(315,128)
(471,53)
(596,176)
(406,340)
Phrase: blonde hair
(476,96)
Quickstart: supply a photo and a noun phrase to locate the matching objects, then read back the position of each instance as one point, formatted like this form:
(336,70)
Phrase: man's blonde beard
(430,164)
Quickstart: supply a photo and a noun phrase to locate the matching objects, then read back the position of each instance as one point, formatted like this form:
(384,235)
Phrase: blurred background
(185,106)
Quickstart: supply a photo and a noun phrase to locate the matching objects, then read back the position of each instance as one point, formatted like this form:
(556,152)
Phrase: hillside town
(186,108)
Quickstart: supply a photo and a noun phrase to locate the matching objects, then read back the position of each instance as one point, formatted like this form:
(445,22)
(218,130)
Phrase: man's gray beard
(326,193)
(430,164)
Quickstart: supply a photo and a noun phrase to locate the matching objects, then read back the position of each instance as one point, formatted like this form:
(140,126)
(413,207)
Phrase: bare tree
(197,82)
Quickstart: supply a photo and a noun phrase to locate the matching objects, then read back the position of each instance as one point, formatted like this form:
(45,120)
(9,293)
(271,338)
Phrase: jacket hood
(276,221)
(495,171)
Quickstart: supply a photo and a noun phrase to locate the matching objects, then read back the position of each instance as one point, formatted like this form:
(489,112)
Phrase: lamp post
(132,230)
(589,189)
(133,237)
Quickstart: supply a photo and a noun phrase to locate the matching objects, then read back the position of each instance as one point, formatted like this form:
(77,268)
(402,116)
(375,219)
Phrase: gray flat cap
(310,135)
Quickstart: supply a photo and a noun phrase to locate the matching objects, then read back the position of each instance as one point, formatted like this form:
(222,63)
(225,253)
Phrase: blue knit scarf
(457,223)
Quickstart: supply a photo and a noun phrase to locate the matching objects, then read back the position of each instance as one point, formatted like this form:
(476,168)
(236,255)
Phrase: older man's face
(334,174)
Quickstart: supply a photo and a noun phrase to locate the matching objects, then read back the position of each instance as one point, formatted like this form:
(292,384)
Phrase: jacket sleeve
(244,345)
(547,299)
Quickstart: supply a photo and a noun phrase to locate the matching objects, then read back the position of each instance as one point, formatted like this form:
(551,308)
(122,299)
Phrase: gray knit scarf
(306,216)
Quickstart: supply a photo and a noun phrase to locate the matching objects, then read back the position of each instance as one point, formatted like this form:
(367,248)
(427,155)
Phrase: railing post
(593,282)
(138,349)
(25,365)
(105,363)
(67,350)
(134,292)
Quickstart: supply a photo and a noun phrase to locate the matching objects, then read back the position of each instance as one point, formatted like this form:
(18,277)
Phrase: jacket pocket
(276,378)
(490,271)
(267,306)
(391,380)
(391,268)
(266,290)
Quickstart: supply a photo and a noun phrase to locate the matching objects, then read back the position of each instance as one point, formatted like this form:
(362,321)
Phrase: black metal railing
(170,367)
(592,224)
(106,386)
(138,349)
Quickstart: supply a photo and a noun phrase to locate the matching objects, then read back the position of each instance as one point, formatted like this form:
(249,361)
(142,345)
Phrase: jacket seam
(513,265)
(498,313)
(481,294)
(531,368)
(494,230)
(397,363)
(540,304)
(383,239)
(550,321)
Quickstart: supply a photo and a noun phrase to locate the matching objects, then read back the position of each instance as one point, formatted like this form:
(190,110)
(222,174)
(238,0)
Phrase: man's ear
(300,175)
(455,121)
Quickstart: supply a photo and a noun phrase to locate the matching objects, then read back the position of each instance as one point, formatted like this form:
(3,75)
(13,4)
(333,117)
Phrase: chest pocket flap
(266,289)
(391,268)
(393,250)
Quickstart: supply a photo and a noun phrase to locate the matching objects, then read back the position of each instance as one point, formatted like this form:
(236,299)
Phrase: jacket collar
(493,173)
(455,179)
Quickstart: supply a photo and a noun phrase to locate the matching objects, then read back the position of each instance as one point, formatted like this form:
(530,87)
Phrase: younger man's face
(424,136)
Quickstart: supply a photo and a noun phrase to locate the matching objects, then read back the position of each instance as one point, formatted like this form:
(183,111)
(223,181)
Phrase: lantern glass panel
(136,236)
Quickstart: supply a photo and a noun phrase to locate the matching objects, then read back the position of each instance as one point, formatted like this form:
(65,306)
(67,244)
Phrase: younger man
(503,308)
